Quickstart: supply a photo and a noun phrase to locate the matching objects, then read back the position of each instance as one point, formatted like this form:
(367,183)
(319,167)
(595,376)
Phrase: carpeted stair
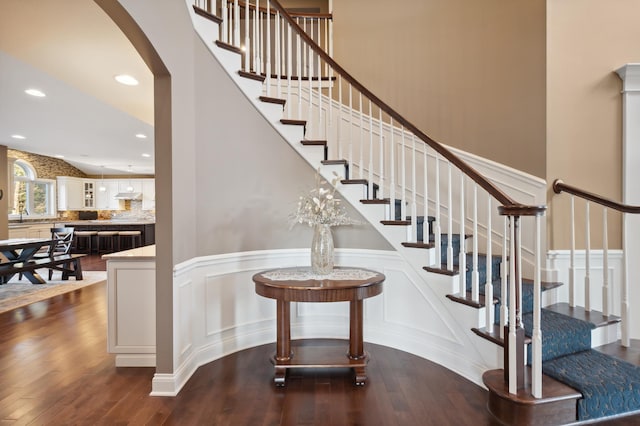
(609,386)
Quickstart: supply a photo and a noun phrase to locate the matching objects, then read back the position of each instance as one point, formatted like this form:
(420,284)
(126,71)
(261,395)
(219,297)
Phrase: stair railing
(397,162)
(605,205)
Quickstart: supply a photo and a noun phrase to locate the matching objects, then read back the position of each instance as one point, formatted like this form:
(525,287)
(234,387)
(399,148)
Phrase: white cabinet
(18,232)
(88,194)
(131,308)
(130,185)
(105,200)
(70,193)
(148,194)
(42,230)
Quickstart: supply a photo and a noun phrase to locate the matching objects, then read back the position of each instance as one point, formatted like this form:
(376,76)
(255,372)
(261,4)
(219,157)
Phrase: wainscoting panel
(217,312)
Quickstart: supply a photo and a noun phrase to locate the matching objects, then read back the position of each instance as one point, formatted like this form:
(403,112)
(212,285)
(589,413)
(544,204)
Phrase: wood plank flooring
(54,370)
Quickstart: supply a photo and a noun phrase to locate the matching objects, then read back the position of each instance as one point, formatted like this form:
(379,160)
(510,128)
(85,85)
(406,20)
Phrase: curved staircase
(438,233)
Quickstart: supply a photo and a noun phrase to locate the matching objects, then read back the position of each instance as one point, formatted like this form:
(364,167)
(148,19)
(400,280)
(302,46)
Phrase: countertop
(140,253)
(109,222)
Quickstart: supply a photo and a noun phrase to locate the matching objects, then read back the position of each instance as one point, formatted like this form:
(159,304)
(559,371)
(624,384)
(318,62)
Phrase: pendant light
(102,188)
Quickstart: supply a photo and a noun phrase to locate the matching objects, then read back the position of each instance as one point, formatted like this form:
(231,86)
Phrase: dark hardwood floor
(54,370)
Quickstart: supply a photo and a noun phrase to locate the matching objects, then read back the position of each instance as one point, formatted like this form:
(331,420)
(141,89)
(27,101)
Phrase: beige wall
(469,74)
(587,41)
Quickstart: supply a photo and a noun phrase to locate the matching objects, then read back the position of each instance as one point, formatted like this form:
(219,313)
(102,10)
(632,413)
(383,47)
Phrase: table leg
(356,345)
(283,334)
(283,340)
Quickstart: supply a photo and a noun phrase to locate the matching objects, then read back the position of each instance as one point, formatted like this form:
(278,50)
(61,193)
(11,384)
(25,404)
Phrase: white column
(630,75)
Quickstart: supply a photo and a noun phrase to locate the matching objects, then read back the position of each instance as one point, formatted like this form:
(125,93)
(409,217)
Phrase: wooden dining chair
(63,238)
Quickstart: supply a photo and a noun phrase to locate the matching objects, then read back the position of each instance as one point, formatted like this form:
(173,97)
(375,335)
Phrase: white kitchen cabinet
(18,232)
(130,185)
(105,200)
(70,193)
(148,194)
(131,308)
(41,230)
(88,194)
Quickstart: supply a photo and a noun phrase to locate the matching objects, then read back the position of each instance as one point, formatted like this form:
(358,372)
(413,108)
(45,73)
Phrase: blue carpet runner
(609,386)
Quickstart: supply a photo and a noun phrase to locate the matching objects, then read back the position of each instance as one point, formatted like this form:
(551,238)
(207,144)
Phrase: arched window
(31,196)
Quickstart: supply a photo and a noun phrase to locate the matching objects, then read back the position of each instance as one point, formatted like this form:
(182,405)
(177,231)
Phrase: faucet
(25,211)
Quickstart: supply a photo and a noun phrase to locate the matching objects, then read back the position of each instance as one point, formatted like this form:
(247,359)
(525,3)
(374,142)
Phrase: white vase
(322,250)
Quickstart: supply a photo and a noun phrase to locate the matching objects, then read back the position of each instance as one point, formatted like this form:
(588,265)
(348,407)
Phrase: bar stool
(133,238)
(107,241)
(83,241)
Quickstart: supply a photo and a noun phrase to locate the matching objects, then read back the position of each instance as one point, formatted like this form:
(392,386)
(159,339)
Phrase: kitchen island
(131,306)
(147,228)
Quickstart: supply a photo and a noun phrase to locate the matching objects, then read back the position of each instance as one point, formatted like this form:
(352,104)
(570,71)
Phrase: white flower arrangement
(321,207)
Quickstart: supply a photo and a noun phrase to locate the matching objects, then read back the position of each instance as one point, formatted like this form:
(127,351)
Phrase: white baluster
(339,118)
(247,40)
(391,215)
(536,335)
(382,157)
(361,160)
(225,22)
(310,75)
(512,346)
(403,175)
(572,257)
(320,126)
(488,287)
(289,67)
(437,230)
(299,71)
(268,48)
(450,220)
(236,24)
(414,198)
(475,276)
(504,274)
(350,156)
(624,291)
(425,221)
(605,264)
(587,267)
(370,174)
(277,49)
(462,257)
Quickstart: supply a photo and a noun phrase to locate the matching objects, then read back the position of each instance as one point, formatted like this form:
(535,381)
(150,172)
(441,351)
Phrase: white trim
(217,313)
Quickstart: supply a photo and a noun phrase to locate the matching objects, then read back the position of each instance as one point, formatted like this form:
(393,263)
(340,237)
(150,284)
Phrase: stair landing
(557,405)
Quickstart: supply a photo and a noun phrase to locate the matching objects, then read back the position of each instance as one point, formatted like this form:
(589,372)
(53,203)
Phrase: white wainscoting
(217,312)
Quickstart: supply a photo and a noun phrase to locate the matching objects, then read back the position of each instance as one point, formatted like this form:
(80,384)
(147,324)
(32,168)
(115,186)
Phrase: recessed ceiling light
(141,136)
(126,79)
(145,155)
(35,92)
(18,137)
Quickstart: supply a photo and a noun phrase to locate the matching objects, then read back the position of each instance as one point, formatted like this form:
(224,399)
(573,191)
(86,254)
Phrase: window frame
(31,180)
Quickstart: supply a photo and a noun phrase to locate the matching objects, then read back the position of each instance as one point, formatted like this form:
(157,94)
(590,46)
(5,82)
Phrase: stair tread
(467,299)
(594,317)
(229,47)
(552,389)
(442,271)
(418,244)
(252,76)
(493,334)
(207,15)
(271,100)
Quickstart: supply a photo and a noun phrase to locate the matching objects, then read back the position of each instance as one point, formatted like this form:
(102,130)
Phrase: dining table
(21,250)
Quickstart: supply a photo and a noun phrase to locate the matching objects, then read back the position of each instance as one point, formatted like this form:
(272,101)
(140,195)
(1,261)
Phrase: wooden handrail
(263,9)
(495,192)
(559,186)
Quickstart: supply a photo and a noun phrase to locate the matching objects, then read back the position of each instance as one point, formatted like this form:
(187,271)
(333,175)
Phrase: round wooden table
(345,284)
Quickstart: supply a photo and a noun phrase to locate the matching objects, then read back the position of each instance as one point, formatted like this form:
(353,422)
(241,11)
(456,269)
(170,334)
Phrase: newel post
(514,367)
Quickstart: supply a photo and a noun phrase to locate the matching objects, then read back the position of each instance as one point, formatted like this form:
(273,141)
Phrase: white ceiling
(71,50)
